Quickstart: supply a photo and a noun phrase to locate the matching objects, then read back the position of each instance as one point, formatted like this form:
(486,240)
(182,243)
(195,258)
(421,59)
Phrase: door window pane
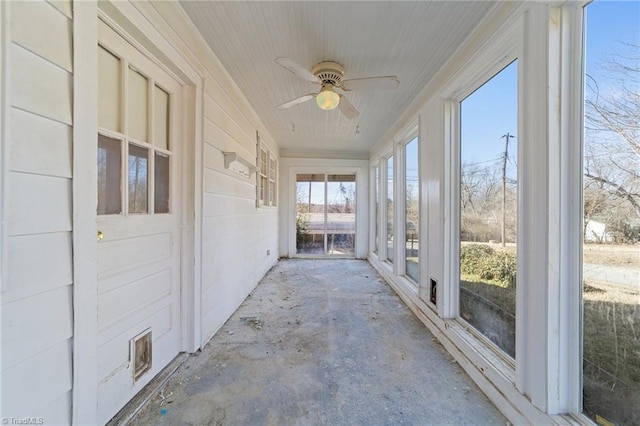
(412,209)
(109,90)
(611,215)
(310,214)
(138,178)
(488,208)
(160,118)
(389,213)
(138,106)
(341,214)
(161,183)
(109,172)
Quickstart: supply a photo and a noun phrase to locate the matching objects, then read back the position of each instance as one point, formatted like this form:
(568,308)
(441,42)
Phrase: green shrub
(302,226)
(472,255)
(499,267)
(484,262)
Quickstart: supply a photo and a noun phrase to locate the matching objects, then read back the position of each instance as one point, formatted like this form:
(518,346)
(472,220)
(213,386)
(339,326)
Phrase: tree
(612,145)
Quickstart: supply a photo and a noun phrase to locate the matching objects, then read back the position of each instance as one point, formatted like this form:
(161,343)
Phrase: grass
(612,254)
(611,345)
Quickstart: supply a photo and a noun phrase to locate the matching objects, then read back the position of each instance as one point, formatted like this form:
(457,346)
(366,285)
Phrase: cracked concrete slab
(321,342)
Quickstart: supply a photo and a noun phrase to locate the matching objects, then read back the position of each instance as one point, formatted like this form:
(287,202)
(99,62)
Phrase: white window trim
(383,223)
(401,209)
(373,223)
(500,51)
(273,179)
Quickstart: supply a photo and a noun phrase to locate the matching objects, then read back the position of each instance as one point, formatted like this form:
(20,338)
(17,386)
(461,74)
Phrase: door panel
(138,223)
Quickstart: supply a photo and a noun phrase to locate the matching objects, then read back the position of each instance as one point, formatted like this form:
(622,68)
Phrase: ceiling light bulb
(327,99)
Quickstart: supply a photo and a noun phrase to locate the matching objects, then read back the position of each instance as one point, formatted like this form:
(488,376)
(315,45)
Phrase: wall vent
(140,354)
(433,294)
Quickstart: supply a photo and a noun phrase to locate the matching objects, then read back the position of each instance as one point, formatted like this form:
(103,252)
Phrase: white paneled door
(138,223)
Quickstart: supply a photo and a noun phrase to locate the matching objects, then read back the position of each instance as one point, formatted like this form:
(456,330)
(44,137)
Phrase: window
(412,209)
(611,216)
(141,137)
(389,210)
(267,177)
(489,208)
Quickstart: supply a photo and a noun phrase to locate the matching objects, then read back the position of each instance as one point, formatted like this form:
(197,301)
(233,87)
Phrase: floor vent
(140,354)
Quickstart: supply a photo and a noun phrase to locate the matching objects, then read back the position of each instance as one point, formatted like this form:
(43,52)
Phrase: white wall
(289,167)
(239,241)
(236,243)
(37,284)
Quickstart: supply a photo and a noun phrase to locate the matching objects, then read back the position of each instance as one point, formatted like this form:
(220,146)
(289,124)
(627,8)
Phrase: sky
(491,111)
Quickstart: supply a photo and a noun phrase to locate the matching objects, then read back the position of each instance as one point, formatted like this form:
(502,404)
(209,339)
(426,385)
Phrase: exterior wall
(239,240)
(37,314)
(234,245)
(289,167)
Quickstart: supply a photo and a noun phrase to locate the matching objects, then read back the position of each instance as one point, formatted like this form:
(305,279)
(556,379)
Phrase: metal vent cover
(329,72)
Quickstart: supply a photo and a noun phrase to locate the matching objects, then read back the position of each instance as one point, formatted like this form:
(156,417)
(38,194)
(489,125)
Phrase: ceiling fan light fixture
(327,99)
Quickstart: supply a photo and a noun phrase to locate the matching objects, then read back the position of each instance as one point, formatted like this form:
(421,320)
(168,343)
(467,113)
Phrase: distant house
(597,232)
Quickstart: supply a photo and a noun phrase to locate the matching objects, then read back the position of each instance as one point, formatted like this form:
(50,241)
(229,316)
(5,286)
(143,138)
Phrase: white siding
(37,302)
(235,234)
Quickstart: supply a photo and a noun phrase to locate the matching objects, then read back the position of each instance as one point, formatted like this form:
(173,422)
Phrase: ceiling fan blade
(347,108)
(296,69)
(372,83)
(297,101)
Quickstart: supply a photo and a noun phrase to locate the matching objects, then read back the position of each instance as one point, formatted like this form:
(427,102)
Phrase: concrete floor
(321,342)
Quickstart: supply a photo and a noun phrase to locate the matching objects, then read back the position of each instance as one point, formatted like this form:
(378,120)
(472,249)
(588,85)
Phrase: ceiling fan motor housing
(329,72)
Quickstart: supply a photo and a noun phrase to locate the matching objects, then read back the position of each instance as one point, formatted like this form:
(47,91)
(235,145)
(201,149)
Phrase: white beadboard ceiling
(409,39)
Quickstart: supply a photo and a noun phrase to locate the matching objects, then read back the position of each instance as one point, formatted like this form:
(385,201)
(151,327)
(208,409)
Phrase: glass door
(325,214)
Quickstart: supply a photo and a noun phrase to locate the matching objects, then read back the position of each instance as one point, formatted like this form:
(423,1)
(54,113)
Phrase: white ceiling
(409,39)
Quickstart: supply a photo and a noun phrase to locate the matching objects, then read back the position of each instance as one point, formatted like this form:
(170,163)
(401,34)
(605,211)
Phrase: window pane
(138,109)
(489,208)
(390,209)
(161,181)
(138,160)
(412,208)
(273,199)
(109,175)
(160,118)
(264,157)
(109,91)
(611,215)
(341,214)
(310,214)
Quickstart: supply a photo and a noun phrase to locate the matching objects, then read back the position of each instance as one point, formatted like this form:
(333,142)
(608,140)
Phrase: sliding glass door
(325,214)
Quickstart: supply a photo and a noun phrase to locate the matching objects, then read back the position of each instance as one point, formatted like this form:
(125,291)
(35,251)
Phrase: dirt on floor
(321,342)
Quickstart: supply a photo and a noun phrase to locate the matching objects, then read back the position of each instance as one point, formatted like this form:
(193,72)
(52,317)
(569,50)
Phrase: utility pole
(506,137)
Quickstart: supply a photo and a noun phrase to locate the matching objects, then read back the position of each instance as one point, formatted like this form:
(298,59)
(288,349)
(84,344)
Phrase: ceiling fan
(330,75)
